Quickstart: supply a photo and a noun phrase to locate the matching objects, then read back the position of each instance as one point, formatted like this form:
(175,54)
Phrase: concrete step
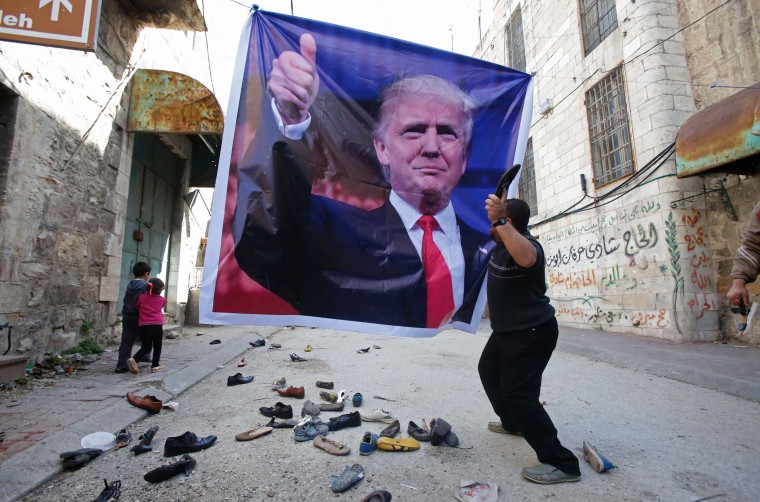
(12,368)
(172,331)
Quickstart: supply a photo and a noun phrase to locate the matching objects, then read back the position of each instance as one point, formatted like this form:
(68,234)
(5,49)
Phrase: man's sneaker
(377,415)
(596,459)
(497,427)
(368,444)
(310,430)
(546,474)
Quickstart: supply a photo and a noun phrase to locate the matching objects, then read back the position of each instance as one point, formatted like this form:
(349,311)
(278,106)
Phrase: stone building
(632,244)
(107,157)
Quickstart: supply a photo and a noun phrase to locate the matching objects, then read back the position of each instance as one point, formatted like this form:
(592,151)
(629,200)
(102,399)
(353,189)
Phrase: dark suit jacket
(327,258)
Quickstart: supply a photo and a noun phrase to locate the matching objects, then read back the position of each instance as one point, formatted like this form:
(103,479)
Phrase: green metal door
(153,185)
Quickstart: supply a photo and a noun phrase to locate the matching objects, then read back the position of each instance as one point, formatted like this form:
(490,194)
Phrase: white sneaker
(377,415)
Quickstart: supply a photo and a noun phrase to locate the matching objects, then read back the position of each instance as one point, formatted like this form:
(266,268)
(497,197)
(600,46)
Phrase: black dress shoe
(352,419)
(257,343)
(391,431)
(279,410)
(285,424)
(121,370)
(187,443)
(78,458)
(239,379)
(184,464)
(417,432)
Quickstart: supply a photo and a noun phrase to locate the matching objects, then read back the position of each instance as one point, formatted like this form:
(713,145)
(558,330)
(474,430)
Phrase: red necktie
(440,295)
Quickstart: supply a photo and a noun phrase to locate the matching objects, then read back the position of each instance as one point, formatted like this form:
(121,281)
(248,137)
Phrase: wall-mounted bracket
(693,198)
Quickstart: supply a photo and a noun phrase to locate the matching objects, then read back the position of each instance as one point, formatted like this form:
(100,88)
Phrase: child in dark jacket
(150,306)
(135,288)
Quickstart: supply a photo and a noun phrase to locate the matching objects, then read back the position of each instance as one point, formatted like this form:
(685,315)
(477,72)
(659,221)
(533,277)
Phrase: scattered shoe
(112,491)
(310,408)
(417,432)
(215,342)
(348,478)
(325,385)
(343,421)
(309,430)
(123,438)
(499,428)
(257,343)
(597,461)
(368,444)
(375,346)
(285,424)
(296,358)
(546,474)
(149,403)
(239,379)
(242,363)
(403,444)
(391,431)
(78,458)
(275,346)
(279,410)
(121,370)
(279,384)
(329,396)
(297,392)
(357,400)
(377,415)
(253,434)
(363,351)
(133,366)
(187,443)
(156,369)
(185,465)
(145,439)
(342,395)
(441,433)
(331,406)
(307,349)
(330,446)
(378,496)
(425,426)
(477,491)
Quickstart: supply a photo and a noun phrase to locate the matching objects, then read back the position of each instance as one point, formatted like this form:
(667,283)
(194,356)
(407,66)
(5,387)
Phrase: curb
(32,467)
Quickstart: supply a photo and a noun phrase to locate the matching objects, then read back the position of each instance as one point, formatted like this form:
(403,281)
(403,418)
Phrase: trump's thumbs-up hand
(294,82)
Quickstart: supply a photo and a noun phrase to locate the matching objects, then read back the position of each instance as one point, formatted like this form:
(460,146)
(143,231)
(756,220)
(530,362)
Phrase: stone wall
(629,264)
(64,190)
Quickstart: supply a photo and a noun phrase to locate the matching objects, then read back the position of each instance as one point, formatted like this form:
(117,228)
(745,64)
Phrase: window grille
(527,185)
(515,42)
(611,151)
(598,20)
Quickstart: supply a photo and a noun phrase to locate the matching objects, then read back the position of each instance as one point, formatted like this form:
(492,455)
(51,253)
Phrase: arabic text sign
(60,23)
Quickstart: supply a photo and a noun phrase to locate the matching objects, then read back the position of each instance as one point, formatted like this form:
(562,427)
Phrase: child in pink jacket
(150,306)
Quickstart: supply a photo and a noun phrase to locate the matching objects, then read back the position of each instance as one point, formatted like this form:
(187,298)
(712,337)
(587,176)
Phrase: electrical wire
(208,53)
(650,168)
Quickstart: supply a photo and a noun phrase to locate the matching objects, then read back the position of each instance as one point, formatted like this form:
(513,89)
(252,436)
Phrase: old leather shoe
(346,420)
(149,403)
(279,410)
(239,379)
(291,391)
(187,443)
(184,464)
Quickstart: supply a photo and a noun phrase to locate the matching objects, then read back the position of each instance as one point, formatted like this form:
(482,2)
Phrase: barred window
(515,44)
(611,151)
(598,19)
(526,188)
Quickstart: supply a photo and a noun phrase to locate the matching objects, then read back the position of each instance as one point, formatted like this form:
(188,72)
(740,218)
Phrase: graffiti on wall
(639,239)
(589,252)
(625,215)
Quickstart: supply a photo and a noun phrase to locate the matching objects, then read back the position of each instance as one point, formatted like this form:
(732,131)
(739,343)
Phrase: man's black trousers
(510,369)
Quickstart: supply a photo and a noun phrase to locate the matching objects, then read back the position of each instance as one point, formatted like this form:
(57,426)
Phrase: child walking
(135,289)
(150,306)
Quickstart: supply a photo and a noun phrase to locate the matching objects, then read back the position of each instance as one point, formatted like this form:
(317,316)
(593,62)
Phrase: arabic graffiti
(608,316)
(639,239)
(589,252)
(625,215)
(573,280)
(651,319)
(615,276)
(566,312)
(700,304)
(701,274)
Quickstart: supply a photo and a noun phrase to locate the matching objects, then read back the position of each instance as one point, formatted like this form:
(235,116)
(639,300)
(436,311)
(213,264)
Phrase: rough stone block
(109,289)
(59,211)
(65,294)
(12,368)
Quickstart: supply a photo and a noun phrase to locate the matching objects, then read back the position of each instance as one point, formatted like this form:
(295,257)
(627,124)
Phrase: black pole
(291,7)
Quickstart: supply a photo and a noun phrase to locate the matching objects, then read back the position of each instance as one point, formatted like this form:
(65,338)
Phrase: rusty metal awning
(166,14)
(720,134)
(168,102)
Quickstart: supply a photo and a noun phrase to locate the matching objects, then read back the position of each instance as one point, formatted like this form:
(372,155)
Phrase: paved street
(672,441)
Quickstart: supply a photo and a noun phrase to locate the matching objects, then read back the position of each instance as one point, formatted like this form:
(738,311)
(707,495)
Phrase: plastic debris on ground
(477,491)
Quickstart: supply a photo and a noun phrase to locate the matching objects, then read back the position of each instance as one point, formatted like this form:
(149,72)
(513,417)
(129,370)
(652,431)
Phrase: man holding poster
(403,263)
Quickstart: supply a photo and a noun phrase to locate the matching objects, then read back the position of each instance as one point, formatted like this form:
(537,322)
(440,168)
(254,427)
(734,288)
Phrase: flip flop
(253,434)
(123,438)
